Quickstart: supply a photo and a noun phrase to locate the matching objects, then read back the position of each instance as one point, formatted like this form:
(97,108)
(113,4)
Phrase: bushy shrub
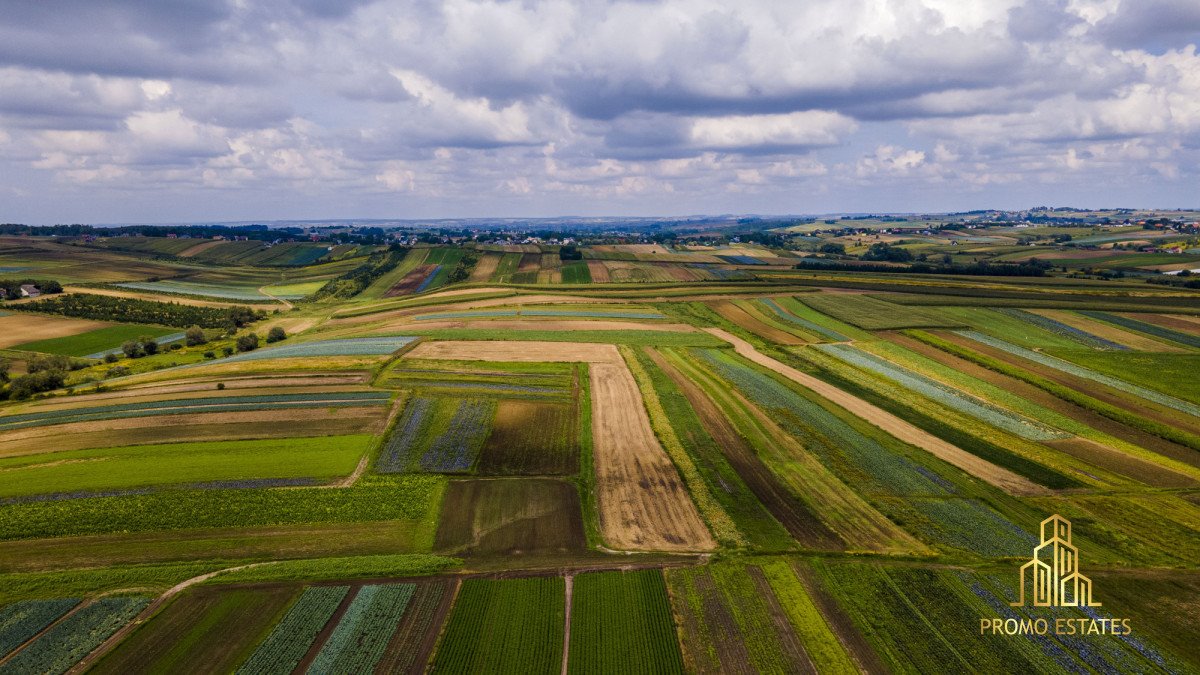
(195,336)
(247,342)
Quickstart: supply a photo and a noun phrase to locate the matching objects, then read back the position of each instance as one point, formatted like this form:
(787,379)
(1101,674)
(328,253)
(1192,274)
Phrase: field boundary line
(145,615)
(570,587)
(997,476)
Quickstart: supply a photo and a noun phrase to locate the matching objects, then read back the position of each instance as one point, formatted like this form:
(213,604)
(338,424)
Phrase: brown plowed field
(643,503)
(348,421)
(1179,322)
(742,318)
(1122,463)
(598,271)
(193,427)
(18,328)
(905,431)
(410,282)
(144,395)
(510,516)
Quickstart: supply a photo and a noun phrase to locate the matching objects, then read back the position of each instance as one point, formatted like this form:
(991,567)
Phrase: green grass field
(94,341)
(180,464)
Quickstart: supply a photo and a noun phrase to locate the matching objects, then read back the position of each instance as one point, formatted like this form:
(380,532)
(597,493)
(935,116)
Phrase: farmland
(489,456)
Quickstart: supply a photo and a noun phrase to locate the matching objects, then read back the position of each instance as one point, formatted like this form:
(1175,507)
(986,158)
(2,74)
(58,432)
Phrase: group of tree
(136,310)
(42,373)
(886,252)
(466,265)
(12,287)
(143,346)
(358,279)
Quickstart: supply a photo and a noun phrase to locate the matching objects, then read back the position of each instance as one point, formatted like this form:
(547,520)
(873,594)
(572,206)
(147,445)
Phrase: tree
(148,345)
(132,348)
(195,336)
(276,334)
(884,251)
(833,248)
(247,342)
(5,366)
(33,383)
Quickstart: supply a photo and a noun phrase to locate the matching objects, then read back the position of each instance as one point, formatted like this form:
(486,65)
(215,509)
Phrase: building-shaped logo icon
(1053,572)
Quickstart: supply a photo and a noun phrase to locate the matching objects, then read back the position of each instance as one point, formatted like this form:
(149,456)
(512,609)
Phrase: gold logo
(1053,572)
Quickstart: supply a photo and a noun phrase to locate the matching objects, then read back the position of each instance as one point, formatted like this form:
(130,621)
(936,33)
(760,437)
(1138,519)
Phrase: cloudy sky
(184,110)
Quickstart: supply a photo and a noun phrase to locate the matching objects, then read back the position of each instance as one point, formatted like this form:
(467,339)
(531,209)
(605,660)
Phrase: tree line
(136,310)
(358,279)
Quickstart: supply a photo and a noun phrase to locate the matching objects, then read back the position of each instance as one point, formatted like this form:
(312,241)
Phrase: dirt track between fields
(905,431)
(642,500)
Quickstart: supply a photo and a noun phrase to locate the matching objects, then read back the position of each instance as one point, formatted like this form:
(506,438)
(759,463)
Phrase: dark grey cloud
(1154,24)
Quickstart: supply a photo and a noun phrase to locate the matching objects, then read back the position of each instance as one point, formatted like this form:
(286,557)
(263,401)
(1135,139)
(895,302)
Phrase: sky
(208,110)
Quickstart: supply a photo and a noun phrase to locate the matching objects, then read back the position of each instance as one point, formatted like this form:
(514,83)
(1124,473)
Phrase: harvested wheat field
(484,268)
(905,431)
(526,352)
(643,503)
(19,328)
(200,248)
(598,271)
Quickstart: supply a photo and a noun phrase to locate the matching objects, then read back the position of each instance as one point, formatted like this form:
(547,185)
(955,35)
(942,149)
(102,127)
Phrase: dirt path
(1000,477)
(365,460)
(570,579)
(96,654)
(285,303)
